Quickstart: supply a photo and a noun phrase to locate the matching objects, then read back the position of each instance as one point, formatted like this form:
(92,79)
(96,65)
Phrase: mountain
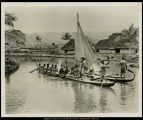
(55,37)
(47,38)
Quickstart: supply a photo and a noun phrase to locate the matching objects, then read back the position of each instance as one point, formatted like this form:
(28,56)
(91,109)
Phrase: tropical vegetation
(127,38)
(13,35)
(66,36)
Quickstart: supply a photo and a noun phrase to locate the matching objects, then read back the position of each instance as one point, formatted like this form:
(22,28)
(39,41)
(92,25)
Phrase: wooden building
(117,50)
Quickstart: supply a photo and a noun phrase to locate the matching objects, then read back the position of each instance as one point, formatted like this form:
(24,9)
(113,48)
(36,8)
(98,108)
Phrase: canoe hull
(97,83)
(122,80)
(85,80)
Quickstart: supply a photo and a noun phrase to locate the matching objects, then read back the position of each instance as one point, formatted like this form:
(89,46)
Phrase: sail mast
(77,23)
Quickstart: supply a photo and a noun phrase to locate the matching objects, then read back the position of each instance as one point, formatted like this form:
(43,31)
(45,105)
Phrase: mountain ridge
(55,37)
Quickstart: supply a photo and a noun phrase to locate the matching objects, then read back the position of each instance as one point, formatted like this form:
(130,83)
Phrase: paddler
(103,67)
(85,70)
(40,68)
(72,71)
(66,70)
(61,71)
(81,66)
(44,68)
(47,68)
(76,71)
(55,69)
(123,65)
(51,69)
(91,73)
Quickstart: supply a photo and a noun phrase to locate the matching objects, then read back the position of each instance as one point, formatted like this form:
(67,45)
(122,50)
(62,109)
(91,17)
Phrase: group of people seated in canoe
(47,68)
(74,71)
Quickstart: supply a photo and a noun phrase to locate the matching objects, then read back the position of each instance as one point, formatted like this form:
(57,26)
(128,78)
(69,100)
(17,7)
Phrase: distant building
(114,44)
(113,50)
(69,47)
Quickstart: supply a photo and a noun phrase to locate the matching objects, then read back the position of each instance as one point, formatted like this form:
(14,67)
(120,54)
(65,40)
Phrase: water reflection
(103,100)
(7,78)
(84,101)
(37,93)
(127,90)
(14,100)
(123,94)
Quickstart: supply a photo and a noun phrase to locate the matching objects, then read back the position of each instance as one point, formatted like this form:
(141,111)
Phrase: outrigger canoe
(119,78)
(82,80)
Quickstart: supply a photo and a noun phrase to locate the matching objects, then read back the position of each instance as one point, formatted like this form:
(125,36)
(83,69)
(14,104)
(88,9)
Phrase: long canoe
(83,80)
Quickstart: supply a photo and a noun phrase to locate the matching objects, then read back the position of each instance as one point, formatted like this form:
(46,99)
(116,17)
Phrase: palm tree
(66,36)
(131,35)
(9,19)
(13,35)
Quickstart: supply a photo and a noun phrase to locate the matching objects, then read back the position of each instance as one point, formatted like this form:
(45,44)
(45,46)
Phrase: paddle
(33,70)
(130,70)
(97,74)
(101,83)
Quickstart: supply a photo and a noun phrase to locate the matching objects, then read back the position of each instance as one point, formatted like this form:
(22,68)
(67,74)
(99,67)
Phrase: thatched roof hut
(69,46)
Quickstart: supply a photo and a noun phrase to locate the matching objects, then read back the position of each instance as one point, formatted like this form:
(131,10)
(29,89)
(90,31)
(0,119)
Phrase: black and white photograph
(71,59)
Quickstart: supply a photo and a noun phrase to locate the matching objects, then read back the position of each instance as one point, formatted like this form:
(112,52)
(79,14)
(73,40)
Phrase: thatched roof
(109,43)
(69,46)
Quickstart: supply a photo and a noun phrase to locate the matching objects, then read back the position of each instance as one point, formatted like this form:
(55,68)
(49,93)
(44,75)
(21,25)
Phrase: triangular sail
(82,47)
(79,48)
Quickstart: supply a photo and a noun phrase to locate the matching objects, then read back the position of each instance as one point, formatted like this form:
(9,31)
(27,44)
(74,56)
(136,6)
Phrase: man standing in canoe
(103,67)
(123,65)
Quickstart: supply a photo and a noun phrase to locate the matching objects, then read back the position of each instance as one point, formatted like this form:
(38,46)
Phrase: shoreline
(40,55)
(71,56)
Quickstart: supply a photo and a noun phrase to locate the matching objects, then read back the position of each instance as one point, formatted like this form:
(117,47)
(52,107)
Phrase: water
(34,93)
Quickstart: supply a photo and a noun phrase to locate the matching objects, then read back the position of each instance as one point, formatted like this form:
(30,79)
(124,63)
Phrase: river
(34,93)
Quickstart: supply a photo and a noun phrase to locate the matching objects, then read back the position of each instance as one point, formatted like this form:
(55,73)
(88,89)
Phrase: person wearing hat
(103,67)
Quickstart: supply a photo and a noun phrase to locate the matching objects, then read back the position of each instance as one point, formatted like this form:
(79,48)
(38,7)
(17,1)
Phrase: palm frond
(9,19)
(66,36)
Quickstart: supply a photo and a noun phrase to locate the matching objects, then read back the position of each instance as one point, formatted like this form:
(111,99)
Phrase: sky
(46,18)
